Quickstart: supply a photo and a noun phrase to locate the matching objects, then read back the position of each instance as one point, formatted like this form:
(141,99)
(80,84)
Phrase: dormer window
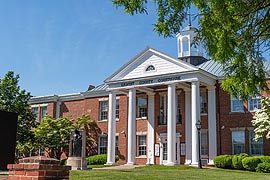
(150,68)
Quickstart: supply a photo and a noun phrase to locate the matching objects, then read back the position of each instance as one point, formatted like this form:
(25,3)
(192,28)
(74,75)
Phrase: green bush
(237,160)
(250,163)
(98,159)
(263,167)
(265,159)
(223,161)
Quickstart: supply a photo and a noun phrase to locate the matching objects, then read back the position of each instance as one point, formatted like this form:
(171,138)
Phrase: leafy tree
(235,34)
(261,120)
(53,135)
(13,99)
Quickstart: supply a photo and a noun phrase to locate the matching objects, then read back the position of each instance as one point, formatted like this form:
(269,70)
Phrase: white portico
(154,73)
(169,74)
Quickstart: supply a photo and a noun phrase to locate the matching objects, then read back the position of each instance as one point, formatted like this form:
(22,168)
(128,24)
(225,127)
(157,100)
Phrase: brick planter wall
(38,168)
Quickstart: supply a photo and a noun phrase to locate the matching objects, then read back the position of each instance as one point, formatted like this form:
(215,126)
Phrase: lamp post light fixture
(199,127)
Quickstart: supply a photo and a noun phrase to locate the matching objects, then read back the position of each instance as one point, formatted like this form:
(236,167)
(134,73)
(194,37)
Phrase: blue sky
(62,46)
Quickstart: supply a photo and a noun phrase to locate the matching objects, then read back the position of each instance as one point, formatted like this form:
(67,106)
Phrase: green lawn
(167,173)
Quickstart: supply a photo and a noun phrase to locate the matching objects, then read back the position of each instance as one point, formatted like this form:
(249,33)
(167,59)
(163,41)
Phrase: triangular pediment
(148,63)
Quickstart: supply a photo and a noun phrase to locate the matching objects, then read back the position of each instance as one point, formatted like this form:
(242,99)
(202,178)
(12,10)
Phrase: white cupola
(187,50)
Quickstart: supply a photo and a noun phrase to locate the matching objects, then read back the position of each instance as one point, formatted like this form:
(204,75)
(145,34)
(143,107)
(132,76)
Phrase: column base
(211,163)
(109,163)
(187,162)
(170,164)
(129,164)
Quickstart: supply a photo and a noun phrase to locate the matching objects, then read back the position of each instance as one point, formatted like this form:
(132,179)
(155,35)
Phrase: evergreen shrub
(237,160)
(265,159)
(223,161)
(263,167)
(98,159)
(250,163)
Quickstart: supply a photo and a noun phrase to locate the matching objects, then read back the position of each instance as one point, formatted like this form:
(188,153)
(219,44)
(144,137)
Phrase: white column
(151,127)
(131,127)
(212,126)
(111,130)
(188,134)
(171,128)
(195,116)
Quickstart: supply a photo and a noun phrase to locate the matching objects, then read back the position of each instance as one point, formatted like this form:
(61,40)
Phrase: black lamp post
(199,127)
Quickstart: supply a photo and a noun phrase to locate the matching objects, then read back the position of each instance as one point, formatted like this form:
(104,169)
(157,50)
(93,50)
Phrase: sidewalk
(120,167)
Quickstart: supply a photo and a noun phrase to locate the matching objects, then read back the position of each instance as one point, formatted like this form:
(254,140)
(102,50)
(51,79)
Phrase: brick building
(147,110)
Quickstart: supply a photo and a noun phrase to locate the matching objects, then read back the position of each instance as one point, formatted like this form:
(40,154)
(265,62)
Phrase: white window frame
(117,109)
(143,146)
(242,131)
(42,113)
(102,145)
(163,109)
(203,102)
(252,142)
(204,146)
(240,104)
(139,114)
(102,117)
(256,106)
(34,110)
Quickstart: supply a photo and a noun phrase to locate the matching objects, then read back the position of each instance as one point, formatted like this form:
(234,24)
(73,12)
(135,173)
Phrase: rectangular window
(43,112)
(142,107)
(203,103)
(256,147)
(162,120)
(102,145)
(178,112)
(204,143)
(238,142)
(116,145)
(237,104)
(254,103)
(103,110)
(35,112)
(141,145)
(117,109)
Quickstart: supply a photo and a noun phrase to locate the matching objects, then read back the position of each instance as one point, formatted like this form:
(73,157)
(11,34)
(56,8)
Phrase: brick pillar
(38,168)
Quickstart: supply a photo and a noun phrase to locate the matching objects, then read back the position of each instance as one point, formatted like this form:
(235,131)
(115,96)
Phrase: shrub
(265,159)
(223,161)
(250,163)
(99,159)
(237,160)
(263,167)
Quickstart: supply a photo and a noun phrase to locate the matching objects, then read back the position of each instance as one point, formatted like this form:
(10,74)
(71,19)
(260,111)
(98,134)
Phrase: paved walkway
(120,167)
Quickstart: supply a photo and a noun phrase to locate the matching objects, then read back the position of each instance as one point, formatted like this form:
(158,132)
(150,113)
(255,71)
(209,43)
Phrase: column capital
(211,88)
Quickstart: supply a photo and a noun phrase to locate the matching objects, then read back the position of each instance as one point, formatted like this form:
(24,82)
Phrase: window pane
(204,143)
(237,104)
(117,109)
(142,145)
(163,110)
(256,147)
(142,107)
(103,110)
(43,112)
(254,103)
(102,144)
(203,102)
(35,112)
(178,113)
(238,141)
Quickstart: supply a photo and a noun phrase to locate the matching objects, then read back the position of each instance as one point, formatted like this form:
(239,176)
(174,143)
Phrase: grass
(167,173)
